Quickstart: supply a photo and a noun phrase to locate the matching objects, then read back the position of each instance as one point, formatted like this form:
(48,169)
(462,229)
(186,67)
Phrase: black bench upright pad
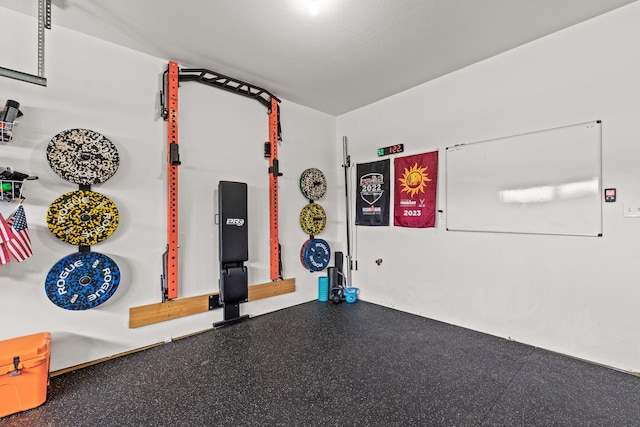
(233,241)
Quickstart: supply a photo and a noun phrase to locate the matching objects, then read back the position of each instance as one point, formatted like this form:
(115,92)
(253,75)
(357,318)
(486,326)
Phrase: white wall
(100,86)
(574,295)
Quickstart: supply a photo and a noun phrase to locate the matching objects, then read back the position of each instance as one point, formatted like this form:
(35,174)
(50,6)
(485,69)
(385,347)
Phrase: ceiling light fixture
(313,7)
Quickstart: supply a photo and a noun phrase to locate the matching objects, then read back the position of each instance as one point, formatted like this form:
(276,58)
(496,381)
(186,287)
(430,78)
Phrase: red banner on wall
(416,181)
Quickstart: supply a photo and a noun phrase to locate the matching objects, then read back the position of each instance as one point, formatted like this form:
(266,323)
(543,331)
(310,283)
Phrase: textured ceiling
(352,53)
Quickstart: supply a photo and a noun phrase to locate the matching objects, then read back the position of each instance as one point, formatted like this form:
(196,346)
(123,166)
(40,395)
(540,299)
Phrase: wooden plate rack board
(182,307)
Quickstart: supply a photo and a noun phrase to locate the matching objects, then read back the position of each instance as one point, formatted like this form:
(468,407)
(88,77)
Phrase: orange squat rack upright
(170,258)
(274,173)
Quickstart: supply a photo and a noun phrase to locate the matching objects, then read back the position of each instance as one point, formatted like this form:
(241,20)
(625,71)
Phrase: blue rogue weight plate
(316,254)
(82,280)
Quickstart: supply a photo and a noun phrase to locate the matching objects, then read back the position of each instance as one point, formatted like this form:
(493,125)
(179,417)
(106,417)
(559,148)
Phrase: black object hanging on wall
(10,112)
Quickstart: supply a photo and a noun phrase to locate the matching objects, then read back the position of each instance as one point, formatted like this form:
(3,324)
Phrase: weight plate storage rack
(84,279)
(315,254)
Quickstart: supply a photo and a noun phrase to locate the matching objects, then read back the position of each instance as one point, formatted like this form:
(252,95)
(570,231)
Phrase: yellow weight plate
(82,218)
(313,219)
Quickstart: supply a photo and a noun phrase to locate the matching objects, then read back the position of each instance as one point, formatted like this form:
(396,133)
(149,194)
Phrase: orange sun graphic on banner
(414,180)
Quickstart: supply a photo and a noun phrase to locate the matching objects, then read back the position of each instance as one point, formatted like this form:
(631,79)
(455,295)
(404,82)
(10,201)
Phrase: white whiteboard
(546,182)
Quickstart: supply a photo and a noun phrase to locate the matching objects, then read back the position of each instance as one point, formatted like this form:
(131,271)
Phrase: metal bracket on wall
(44,22)
(214,301)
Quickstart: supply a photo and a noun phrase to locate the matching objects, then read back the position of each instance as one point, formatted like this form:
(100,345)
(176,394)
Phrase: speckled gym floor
(320,364)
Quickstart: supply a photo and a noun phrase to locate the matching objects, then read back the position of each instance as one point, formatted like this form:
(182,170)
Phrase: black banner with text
(372,201)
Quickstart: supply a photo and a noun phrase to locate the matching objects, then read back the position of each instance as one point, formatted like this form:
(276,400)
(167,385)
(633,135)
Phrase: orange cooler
(24,372)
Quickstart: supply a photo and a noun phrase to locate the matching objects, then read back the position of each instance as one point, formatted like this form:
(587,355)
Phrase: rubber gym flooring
(320,364)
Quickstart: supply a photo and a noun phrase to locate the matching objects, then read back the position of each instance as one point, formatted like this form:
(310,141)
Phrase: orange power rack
(172,79)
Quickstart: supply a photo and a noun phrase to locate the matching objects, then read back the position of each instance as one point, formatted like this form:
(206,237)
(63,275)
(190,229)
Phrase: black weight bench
(233,250)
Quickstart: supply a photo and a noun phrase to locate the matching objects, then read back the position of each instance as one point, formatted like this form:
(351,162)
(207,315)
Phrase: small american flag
(5,236)
(20,244)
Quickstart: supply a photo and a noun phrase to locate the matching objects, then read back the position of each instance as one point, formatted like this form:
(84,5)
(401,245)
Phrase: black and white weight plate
(82,280)
(315,254)
(82,218)
(313,184)
(313,219)
(82,156)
